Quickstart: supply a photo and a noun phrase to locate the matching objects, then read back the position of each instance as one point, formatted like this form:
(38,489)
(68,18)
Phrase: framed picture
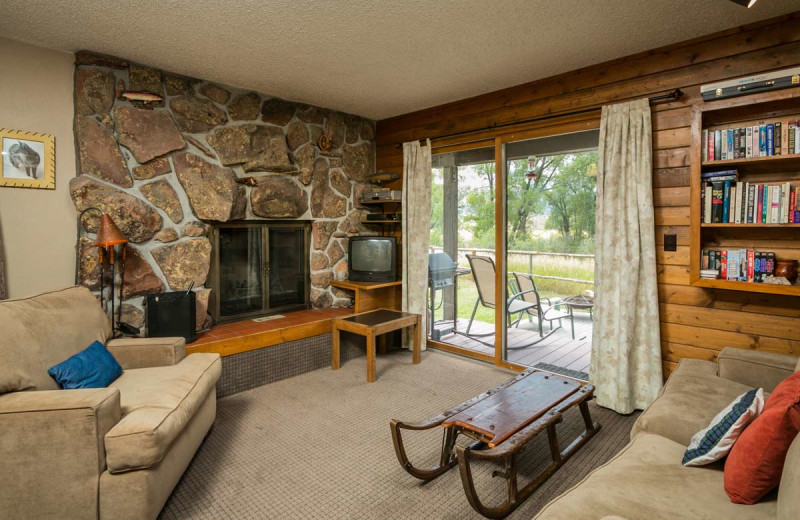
(28,160)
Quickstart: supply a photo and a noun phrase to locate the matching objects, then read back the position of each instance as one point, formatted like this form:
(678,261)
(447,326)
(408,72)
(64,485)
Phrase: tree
(437,209)
(572,197)
(528,181)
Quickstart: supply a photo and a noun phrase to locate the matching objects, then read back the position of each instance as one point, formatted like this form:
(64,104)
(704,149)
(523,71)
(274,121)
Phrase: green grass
(577,268)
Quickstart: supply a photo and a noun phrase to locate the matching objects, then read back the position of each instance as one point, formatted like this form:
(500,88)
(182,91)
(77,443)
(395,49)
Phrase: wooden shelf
(783,239)
(773,163)
(792,290)
(746,226)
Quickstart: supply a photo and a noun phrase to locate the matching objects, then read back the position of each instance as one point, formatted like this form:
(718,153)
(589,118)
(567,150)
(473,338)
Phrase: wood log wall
(695,322)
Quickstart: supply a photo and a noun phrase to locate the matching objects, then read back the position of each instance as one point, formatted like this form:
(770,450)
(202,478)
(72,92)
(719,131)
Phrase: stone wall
(164,170)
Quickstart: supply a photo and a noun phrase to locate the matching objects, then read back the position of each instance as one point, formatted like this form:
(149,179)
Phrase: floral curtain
(416,230)
(626,344)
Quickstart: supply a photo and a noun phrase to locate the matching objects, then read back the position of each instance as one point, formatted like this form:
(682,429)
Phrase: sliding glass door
(462,297)
(550,187)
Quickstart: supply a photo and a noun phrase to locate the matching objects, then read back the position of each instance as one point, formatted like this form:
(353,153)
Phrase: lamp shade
(109,234)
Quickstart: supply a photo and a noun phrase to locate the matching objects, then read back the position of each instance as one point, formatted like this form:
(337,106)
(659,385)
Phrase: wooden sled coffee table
(501,422)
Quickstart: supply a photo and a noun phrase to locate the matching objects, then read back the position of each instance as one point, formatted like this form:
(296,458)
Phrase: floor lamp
(108,236)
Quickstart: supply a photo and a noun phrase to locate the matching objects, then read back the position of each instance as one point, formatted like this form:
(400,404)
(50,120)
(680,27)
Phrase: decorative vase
(787,269)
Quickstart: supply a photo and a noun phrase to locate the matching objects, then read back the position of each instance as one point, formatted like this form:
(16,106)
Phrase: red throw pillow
(755,463)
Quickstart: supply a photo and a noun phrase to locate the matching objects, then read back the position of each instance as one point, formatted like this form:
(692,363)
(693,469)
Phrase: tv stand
(373,295)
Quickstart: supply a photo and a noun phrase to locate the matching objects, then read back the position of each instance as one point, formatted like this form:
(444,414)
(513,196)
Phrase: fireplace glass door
(259,268)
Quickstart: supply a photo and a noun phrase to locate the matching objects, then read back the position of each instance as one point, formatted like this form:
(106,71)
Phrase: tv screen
(372,255)
(373,259)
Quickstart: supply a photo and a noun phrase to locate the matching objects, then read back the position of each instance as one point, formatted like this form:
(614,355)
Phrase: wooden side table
(375,323)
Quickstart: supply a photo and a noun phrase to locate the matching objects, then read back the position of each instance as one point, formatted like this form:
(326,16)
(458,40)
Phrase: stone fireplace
(174,172)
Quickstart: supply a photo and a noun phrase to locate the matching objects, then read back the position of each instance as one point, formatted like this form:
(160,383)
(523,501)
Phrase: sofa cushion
(43,330)
(692,396)
(756,461)
(714,442)
(157,403)
(646,480)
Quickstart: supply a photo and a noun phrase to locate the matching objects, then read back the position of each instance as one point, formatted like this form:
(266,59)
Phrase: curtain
(626,344)
(416,231)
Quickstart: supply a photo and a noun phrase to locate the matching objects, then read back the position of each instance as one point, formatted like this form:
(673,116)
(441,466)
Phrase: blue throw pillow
(93,367)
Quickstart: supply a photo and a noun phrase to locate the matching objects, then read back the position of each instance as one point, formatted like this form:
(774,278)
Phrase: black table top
(377,317)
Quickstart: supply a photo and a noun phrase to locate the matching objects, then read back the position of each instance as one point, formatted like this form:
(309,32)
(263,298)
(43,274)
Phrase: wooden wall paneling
(696,322)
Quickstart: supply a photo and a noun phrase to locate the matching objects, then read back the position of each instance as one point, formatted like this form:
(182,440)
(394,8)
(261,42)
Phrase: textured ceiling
(372,58)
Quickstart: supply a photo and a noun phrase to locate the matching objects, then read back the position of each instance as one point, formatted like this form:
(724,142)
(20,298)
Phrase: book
(726,201)
(707,203)
(729,149)
(704,259)
(749,145)
(775,204)
(737,143)
(731,257)
(717,188)
(759,204)
(750,260)
(765,205)
(770,142)
(737,212)
(797,205)
(756,141)
(751,200)
(743,265)
(723,264)
(762,140)
(769,269)
(732,204)
(718,145)
(778,140)
(705,147)
(758,269)
(792,205)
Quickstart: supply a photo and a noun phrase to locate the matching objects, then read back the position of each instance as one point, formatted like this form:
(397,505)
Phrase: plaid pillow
(715,441)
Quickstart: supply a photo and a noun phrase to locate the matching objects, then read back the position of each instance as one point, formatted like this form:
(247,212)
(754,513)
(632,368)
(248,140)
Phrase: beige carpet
(319,446)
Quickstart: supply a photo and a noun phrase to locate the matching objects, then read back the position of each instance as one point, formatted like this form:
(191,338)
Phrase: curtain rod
(675,94)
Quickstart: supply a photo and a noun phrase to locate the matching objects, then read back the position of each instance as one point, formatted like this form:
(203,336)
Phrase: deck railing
(463,251)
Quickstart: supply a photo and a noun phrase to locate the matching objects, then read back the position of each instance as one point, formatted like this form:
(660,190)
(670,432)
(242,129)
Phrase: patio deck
(557,349)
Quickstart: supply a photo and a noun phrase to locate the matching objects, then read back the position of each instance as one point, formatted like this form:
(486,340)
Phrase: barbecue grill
(441,276)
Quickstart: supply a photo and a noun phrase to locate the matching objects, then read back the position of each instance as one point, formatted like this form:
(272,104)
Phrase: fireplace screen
(259,268)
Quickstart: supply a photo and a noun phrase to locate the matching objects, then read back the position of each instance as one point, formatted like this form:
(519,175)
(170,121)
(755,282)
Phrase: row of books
(761,140)
(726,200)
(742,265)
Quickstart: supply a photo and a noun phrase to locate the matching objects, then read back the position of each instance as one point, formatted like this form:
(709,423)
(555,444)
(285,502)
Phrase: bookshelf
(781,238)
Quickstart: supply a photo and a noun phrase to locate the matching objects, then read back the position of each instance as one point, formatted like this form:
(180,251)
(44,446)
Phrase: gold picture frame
(28,159)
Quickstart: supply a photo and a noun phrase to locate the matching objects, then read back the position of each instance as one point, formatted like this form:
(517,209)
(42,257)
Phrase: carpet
(318,446)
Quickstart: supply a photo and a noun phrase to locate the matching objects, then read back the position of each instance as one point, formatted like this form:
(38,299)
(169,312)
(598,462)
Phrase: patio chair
(550,313)
(483,272)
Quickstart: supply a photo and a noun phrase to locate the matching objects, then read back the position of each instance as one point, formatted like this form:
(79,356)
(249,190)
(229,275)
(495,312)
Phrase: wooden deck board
(557,349)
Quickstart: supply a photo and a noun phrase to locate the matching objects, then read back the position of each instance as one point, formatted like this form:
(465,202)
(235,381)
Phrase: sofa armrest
(52,451)
(147,352)
(756,368)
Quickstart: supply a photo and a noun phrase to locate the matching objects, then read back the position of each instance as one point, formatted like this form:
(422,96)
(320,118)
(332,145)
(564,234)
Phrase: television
(372,259)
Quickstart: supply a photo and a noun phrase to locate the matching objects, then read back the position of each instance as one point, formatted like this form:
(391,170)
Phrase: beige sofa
(646,479)
(109,453)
